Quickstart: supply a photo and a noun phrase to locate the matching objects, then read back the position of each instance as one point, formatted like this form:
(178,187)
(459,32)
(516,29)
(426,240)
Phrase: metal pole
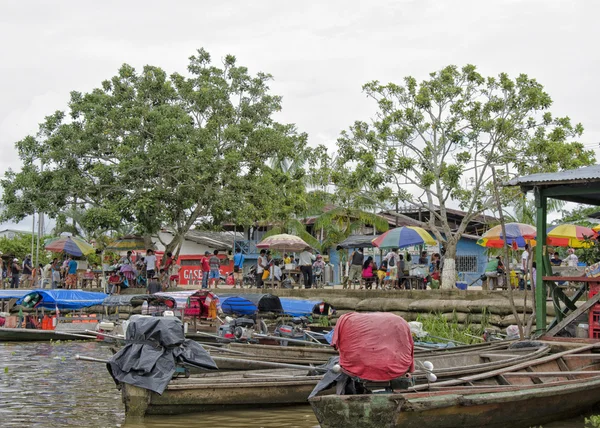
(541,204)
(32,233)
(285,339)
(267,363)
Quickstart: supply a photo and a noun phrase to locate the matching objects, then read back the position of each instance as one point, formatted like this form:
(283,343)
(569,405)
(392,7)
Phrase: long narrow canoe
(249,357)
(34,335)
(529,393)
(221,390)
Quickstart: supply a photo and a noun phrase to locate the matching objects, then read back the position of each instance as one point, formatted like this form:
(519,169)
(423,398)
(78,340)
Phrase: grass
(440,326)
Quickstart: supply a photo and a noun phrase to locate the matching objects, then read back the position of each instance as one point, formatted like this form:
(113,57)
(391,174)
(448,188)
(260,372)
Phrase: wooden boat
(546,389)
(34,335)
(215,391)
(248,357)
(260,388)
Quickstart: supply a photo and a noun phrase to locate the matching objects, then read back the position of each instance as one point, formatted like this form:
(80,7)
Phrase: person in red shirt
(168,263)
(205,269)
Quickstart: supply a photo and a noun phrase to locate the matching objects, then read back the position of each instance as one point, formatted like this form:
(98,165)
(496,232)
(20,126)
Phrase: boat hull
(31,335)
(522,407)
(179,399)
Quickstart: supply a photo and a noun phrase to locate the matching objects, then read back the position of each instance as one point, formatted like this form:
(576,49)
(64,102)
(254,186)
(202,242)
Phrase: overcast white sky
(320,52)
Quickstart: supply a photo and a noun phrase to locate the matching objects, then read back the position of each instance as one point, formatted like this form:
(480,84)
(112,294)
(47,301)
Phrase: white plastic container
(582,331)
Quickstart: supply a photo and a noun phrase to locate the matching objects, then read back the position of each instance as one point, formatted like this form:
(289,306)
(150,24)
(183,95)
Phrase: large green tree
(158,150)
(435,143)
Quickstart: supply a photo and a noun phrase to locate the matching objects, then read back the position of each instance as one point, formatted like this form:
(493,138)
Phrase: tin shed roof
(552,178)
(575,185)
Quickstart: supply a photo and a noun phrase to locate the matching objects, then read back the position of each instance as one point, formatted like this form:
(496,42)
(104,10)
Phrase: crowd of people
(55,274)
(306,266)
(391,273)
(495,269)
(143,272)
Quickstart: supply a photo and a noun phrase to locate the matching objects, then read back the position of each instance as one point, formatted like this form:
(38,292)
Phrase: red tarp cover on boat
(374,346)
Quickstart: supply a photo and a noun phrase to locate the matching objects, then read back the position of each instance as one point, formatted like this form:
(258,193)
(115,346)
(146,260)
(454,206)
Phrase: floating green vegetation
(447,326)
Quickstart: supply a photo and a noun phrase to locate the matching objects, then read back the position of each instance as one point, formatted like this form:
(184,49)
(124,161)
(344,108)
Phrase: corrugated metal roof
(582,174)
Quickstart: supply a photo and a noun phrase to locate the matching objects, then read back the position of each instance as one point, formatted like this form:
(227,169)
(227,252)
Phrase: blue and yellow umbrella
(405,236)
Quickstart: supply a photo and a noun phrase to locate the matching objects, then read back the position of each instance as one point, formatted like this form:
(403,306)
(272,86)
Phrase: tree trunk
(173,247)
(449,270)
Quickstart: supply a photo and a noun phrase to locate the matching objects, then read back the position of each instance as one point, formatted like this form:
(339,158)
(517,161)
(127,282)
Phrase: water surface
(41,385)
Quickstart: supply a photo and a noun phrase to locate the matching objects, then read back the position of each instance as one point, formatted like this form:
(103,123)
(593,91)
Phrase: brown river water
(41,385)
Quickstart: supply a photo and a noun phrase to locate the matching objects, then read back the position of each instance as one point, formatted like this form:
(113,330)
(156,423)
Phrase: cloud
(320,53)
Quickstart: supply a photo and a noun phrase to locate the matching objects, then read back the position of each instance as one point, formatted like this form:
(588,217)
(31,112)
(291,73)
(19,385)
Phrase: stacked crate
(594,315)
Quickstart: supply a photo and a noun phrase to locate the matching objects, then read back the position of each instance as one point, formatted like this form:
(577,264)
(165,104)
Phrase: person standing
(261,265)
(153,286)
(47,276)
(55,273)
(393,260)
(306,259)
(15,270)
(205,269)
(571,260)
(27,272)
(37,276)
(215,274)
(71,281)
(238,268)
(150,263)
(174,277)
(525,259)
(128,268)
(356,261)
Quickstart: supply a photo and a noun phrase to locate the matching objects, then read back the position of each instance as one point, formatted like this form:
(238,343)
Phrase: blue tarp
(298,307)
(236,305)
(66,299)
(247,304)
(13,294)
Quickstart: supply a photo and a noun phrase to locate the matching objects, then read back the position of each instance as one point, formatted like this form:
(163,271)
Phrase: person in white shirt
(261,265)
(150,264)
(572,260)
(305,260)
(276,271)
(525,258)
(46,276)
(393,259)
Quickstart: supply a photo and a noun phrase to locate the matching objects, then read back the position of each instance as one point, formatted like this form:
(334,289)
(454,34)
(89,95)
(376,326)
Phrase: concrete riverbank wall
(475,307)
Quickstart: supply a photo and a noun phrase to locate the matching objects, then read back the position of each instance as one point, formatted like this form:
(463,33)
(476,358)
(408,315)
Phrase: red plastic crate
(593,289)
(594,332)
(594,318)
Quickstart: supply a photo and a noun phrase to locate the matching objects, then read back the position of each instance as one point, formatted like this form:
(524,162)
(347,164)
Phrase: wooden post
(136,400)
(541,204)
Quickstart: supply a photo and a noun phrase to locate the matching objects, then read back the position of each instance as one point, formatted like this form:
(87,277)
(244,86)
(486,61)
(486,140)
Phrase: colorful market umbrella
(519,233)
(596,228)
(570,235)
(127,243)
(405,236)
(72,245)
(283,242)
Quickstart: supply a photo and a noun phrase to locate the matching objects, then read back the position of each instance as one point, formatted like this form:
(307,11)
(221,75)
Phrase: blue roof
(298,307)
(66,299)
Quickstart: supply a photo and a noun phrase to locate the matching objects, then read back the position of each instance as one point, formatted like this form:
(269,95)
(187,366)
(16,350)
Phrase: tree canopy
(440,141)
(156,150)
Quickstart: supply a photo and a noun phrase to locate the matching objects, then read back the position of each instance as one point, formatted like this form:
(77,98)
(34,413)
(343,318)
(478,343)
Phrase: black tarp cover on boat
(138,300)
(155,348)
(263,302)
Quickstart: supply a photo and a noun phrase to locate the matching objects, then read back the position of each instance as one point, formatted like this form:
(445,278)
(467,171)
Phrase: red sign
(191,268)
